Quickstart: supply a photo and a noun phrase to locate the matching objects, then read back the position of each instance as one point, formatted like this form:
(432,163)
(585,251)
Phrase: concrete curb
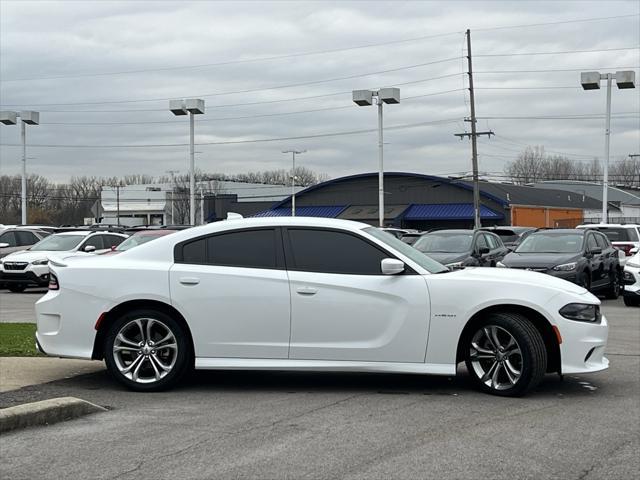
(45,412)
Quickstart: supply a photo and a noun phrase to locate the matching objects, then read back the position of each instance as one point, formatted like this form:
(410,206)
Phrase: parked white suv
(623,236)
(25,268)
(631,278)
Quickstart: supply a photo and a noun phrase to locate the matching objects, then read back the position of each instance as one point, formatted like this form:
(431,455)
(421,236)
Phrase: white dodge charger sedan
(317,295)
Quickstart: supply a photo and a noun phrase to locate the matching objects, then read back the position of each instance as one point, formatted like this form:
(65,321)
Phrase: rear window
(617,234)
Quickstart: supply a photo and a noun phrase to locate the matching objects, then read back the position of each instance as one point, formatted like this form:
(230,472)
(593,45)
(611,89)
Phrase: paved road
(18,307)
(277,425)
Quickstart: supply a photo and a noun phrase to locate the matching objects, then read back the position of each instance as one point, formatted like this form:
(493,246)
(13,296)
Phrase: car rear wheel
(631,302)
(613,290)
(505,355)
(147,350)
(17,288)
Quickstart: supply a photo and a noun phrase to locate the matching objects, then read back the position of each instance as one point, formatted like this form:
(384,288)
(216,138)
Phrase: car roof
(560,231)
(605,225)
(153,233)
(75,232)
(453,230)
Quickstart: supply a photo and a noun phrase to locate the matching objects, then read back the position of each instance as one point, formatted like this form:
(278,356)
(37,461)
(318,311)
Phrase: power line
(405,99)
(234,62)
(250,90)
(561,22)
(551,70)
(561,117)
(236,142)
(558,52)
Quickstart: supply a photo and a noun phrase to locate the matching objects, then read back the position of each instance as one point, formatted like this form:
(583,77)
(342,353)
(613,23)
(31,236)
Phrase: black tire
(180,361)
(17,288)
(613,290)
(533,356)
(631,302)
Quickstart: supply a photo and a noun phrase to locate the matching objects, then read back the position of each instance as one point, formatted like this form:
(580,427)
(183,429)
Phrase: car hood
(538,260)
(508,276)
(30,256)
(447,257)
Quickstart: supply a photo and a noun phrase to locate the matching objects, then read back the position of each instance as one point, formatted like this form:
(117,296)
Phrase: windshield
(135,240)
(408,251)
(444,242)
(58,243)
(551,243)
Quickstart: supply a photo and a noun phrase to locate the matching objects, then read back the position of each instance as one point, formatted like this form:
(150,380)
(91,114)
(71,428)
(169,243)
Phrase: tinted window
(334,252)
(249,248)
(591,242)
(8,237)
(25,238)
(493,241)
(481,242)
(111,240)
(616,234)
(94,241)
(195,252)
(602,241)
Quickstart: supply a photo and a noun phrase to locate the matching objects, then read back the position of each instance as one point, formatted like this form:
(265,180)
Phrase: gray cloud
(49,39)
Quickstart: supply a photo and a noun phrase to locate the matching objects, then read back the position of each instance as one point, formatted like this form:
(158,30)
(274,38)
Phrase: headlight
(40,262)
(565,267)
(582,312)
(455,265)
(501,265)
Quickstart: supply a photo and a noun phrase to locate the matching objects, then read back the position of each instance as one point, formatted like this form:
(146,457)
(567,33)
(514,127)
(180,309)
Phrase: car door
(344,308)
(233,290)
(609,254)
(597,260)
(480,241)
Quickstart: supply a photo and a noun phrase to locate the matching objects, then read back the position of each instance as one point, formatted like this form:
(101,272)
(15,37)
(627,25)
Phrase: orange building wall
(545,217)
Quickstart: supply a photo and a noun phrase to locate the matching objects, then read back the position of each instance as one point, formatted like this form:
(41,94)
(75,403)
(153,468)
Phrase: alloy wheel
(496,357)
(145,350)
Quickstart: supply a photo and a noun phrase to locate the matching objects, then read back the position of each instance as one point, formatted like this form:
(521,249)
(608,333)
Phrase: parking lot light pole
(293,177)
(365,98)
(28,117)
(191,107)
(591,81)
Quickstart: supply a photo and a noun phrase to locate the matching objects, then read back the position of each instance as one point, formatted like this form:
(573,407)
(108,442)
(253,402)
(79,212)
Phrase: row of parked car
(24,250)
(593,256)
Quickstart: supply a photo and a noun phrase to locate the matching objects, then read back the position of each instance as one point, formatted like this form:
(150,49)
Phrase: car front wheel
(613,291)
(147,350)
(505,355)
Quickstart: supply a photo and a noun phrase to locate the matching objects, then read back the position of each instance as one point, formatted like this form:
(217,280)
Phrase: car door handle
(307,290)
(189,280)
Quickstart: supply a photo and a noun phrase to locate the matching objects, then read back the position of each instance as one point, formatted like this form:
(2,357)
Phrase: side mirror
(483,250)
(113,247)
(633,251)
(595,251)
(4,245)
(89,249)
(391,266)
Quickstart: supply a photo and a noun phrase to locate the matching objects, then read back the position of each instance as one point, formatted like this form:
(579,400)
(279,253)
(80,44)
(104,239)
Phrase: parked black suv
(585,257)
(462,248)
(511,236)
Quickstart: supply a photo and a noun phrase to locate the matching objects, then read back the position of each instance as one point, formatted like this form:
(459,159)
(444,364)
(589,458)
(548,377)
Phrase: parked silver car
(14,239)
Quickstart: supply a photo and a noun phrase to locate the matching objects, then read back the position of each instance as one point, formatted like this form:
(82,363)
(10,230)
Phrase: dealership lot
(244,424)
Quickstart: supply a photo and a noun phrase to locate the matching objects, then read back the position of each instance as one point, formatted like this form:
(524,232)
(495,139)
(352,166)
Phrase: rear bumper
(24,278)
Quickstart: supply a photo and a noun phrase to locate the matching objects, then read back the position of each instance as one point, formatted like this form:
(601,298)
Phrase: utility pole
(293,178)
(118,204)
(201,207)
(473,136)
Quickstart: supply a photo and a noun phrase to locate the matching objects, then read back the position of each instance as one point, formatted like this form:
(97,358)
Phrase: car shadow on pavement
(102,389)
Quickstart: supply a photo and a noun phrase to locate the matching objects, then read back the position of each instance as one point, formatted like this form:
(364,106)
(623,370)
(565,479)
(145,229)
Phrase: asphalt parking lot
(285,425)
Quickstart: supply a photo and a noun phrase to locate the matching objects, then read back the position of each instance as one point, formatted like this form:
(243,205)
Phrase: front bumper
(25,277)
(631,280)
(583,346)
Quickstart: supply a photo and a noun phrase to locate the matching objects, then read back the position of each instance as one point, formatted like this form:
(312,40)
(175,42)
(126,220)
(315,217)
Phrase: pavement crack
(136,468)
(300,415)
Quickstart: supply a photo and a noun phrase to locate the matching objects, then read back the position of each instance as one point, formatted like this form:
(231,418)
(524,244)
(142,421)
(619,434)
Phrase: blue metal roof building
(419,201)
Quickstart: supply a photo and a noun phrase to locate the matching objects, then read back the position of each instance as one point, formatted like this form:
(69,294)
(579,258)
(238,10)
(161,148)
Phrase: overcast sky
(60,58)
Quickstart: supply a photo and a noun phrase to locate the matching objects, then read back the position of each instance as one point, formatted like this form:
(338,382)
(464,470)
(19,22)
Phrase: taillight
(53,282)
(626,248)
